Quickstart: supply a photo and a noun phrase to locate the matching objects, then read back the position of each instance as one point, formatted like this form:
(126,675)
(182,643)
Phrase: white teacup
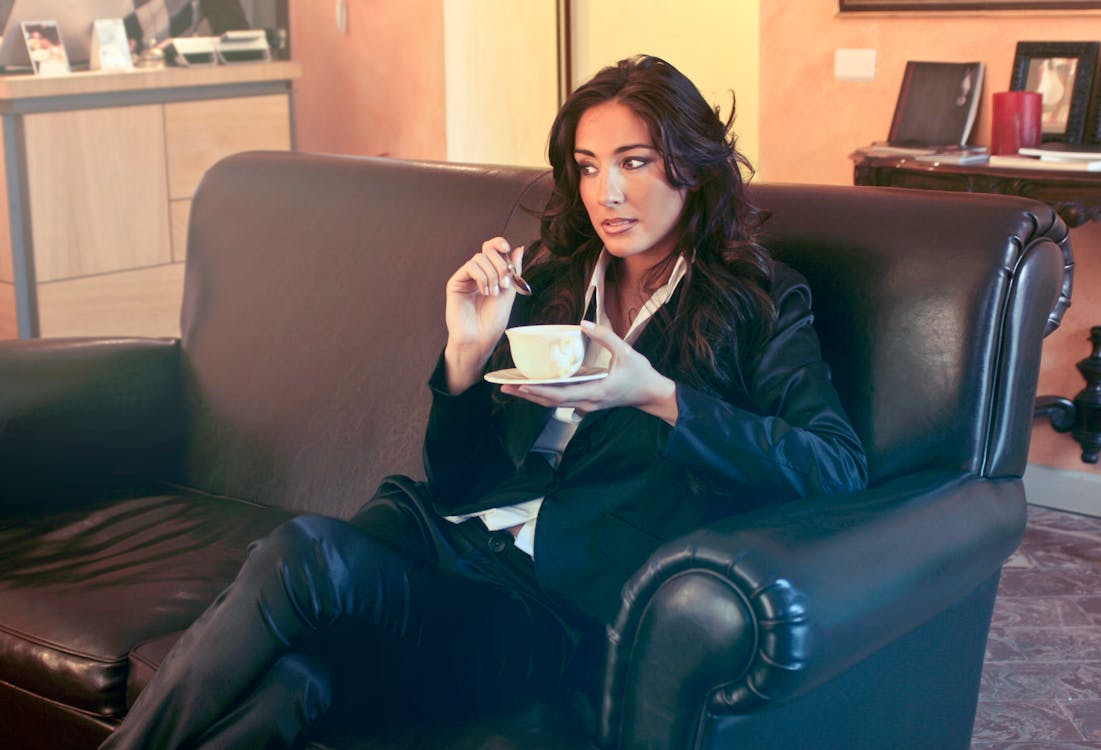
(547,352)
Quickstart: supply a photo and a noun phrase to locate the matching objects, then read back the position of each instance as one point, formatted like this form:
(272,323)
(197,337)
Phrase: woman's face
(631,204)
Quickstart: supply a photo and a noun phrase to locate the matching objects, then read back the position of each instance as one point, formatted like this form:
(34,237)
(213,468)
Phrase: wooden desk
(1076,197)
(100,169)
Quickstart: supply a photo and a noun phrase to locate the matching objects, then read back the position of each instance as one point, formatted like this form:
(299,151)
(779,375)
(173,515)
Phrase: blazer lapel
(523,423)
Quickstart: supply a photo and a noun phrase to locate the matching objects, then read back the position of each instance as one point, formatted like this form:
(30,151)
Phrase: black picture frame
(1070,67)
(864,6)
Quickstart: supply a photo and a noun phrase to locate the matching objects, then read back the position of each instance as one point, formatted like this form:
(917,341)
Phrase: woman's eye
(635,162)
(586,169)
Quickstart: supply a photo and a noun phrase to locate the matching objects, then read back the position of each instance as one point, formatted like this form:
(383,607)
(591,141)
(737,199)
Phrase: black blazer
(628,481)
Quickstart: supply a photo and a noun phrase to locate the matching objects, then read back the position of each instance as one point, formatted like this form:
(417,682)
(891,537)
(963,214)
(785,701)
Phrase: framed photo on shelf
(856,6)
(1063,73)
(45,48)
(110,49)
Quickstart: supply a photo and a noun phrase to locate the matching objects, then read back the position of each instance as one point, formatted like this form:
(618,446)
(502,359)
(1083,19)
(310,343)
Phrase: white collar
(652,305)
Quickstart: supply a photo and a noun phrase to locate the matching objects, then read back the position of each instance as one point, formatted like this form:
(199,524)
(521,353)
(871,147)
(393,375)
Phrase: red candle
(1016,121)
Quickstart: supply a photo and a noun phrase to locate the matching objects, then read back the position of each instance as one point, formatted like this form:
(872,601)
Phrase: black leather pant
(399,610)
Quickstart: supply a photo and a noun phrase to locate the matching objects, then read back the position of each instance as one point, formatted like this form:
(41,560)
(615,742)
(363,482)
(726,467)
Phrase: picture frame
(45,48)
(110,49)
(1063,72)
(863,6)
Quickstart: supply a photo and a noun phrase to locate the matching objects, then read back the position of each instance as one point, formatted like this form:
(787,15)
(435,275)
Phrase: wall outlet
(854,64)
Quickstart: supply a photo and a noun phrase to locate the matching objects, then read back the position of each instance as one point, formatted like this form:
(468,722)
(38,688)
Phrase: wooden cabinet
(200,133)
(100,172)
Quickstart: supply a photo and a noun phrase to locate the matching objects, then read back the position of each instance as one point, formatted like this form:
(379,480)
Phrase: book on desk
(935,112)
(937,104)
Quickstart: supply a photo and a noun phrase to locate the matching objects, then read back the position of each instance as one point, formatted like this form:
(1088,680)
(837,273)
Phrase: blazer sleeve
(797,442)
(473,442)
(465,446)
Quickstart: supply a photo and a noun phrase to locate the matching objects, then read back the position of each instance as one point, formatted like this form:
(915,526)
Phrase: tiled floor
(1042,679)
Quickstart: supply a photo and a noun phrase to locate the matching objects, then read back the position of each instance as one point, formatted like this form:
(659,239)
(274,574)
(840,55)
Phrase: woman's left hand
(631,381)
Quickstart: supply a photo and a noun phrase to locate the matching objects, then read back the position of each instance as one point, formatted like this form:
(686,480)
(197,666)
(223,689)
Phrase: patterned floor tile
(1047,611)
(1054,519)
(1043,745)
(1056,681)
(1013,721)
(1044,644)
(1050,548)
(1086,715)
(1033,582)
(1041,684)
(1091,605)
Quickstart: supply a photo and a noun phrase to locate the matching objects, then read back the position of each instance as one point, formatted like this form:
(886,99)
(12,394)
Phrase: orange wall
(377,89)
(810,123)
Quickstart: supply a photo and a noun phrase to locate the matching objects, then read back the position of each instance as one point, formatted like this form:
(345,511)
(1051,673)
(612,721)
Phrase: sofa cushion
(145,659)
(81,588)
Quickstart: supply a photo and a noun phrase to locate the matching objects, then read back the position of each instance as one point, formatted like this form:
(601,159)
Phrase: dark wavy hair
(724,300)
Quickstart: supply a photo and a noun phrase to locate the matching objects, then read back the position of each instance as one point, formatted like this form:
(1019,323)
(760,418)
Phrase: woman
(495,580)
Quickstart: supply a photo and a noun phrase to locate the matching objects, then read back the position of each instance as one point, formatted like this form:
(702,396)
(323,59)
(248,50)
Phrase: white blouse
(552,442)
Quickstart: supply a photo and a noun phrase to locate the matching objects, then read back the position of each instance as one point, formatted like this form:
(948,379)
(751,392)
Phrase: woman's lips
(617,226)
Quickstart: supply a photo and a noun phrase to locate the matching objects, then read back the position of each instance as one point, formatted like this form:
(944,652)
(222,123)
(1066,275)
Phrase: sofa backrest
(313,314)
(932,308)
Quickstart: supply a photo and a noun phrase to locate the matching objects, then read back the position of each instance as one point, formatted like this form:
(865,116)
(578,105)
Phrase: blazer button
(498,542)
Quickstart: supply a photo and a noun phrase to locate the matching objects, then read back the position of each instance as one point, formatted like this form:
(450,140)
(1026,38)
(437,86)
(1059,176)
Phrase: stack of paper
(940,154)
(961,155)
(1031,162)
(1067,156)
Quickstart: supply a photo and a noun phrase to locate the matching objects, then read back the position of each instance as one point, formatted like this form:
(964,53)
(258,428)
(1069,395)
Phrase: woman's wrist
(662,401)
(463,365)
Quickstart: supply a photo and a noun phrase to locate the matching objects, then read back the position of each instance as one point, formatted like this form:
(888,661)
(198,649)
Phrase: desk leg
(1081,417)
(19,227)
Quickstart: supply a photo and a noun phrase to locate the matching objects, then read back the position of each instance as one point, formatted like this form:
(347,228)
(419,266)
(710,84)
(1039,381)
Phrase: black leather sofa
(134,472)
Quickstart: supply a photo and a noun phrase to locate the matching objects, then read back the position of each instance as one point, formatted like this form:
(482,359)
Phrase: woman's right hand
(479,301)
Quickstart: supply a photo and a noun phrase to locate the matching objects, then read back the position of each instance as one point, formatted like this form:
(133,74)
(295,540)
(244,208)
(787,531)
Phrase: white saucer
(512,376)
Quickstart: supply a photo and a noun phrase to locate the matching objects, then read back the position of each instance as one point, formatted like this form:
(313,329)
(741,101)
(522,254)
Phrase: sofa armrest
(97,416)
(762,608)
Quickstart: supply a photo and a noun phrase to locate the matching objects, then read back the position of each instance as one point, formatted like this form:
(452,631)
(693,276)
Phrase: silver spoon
(522,287)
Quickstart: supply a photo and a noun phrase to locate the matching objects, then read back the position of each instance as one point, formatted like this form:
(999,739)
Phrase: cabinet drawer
(179,214)
(96,192)
(200,133)
(144,302)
